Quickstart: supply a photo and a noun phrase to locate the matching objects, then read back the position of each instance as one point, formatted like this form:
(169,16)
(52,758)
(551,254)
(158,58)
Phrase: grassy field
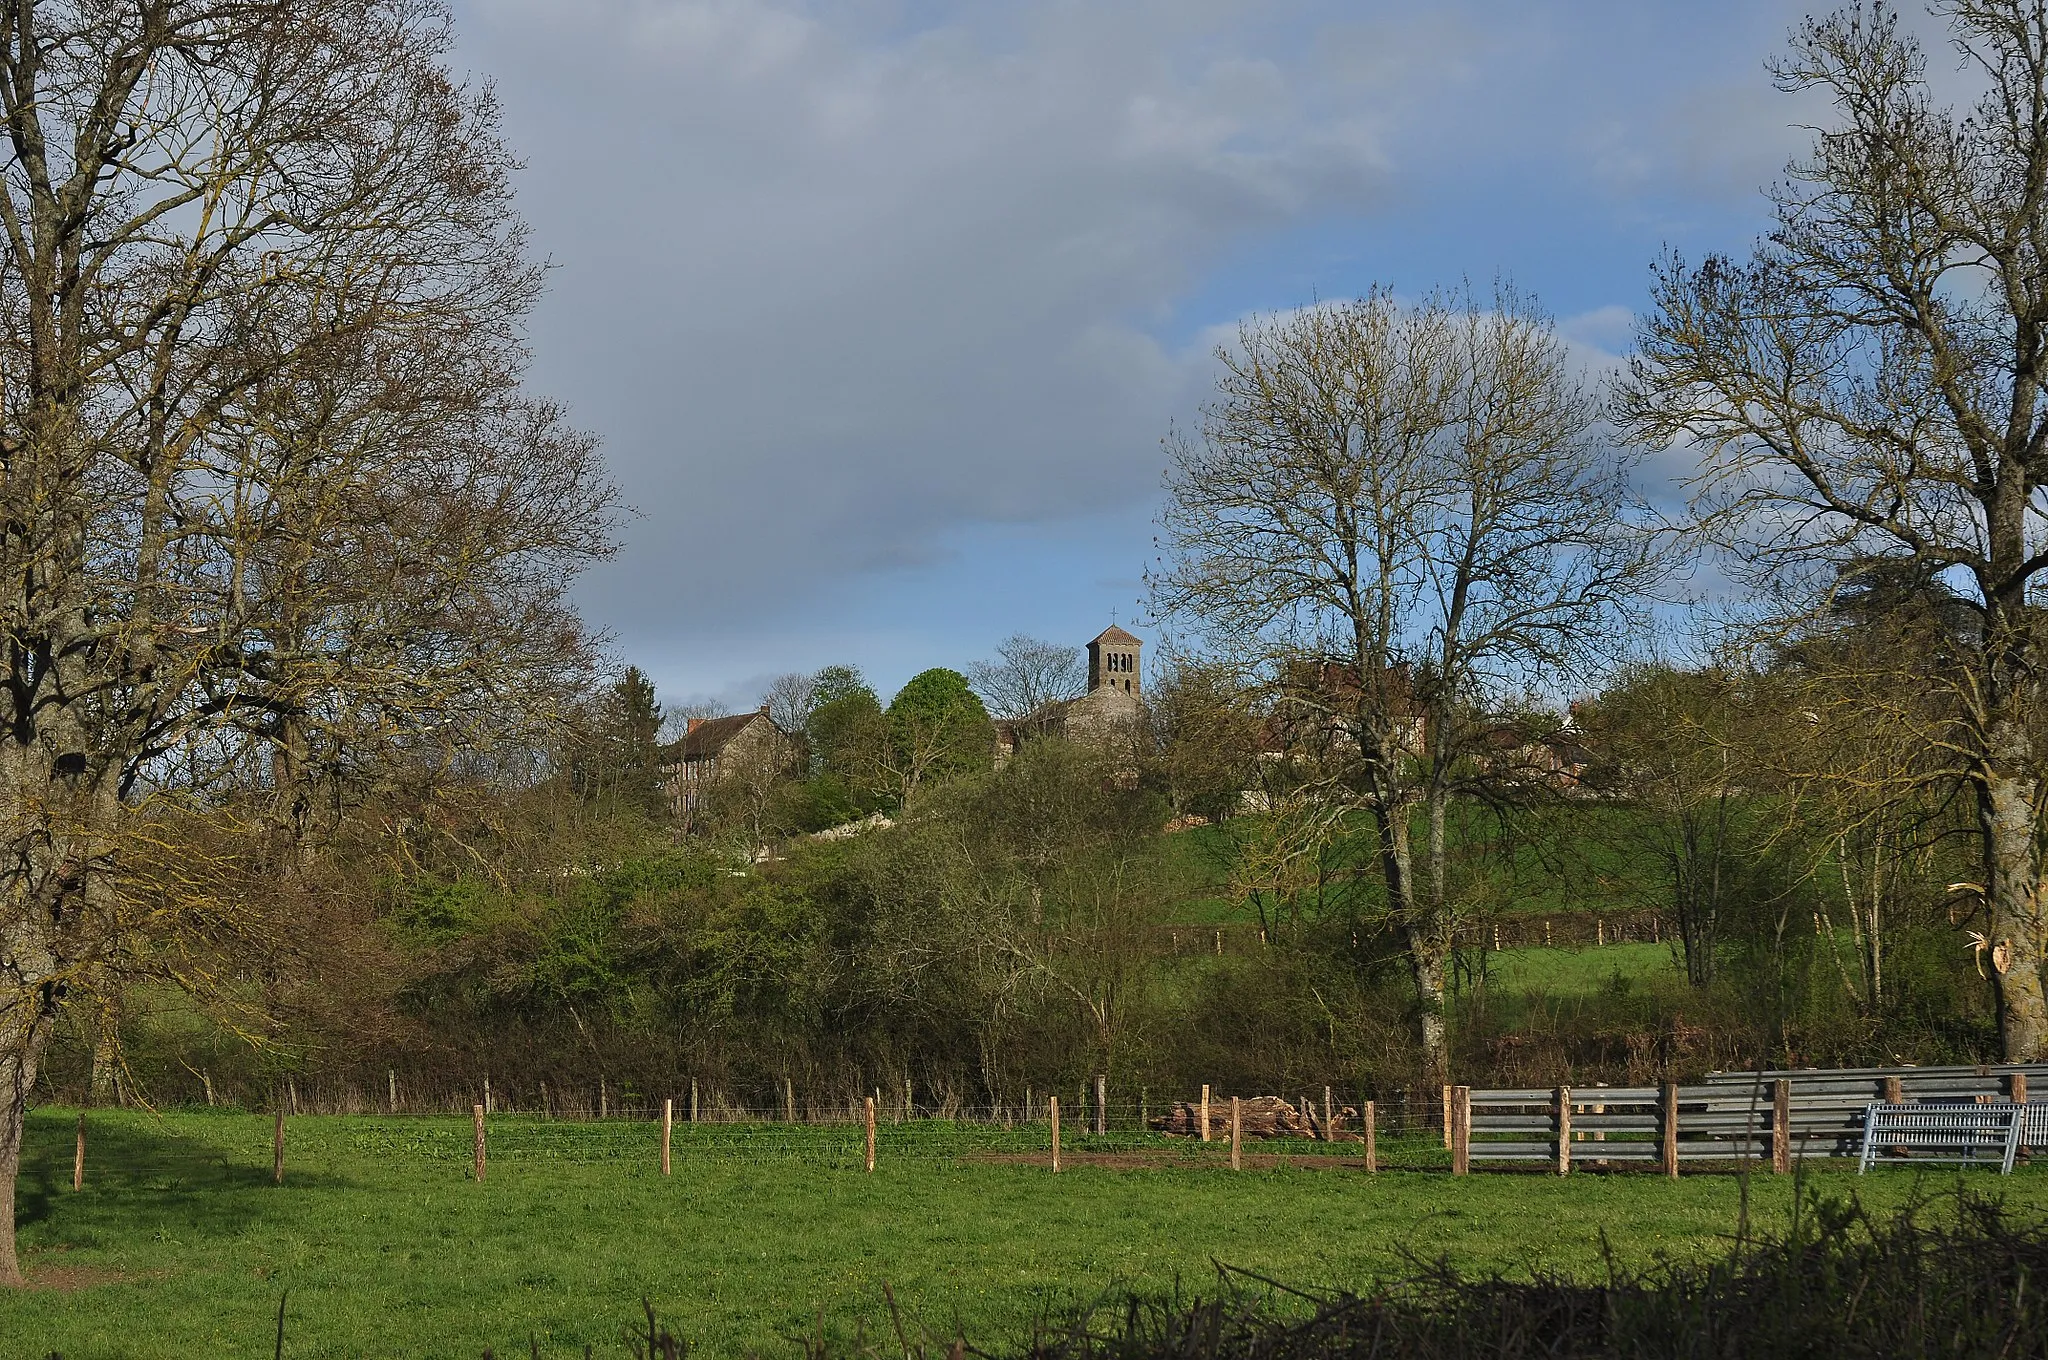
(1561,972)
(179,1246)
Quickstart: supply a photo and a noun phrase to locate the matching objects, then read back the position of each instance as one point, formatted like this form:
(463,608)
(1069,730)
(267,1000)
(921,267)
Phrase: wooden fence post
(909,1102)
(1329,1128)
(604,1099)
(1781,1126)
(788,1100)
(1144,1108)
(476,1113)
(1461,1130)
(869,1117)
(668,1123)
(78,1158)
(2016,1087)
(391,1084)
(1667,1127)
(1372,1151)
(693,1100)
(1447,1116)
(206,1078)
(1564,1130)
(1102,1102)
(277,1150)
(1052,1112)
(1895,1094)
(1205,1112)
(1236,1134)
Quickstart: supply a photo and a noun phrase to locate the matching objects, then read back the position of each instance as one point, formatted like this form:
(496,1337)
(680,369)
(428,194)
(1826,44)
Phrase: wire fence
(527,1139)
(598,1125)
(1399,1111)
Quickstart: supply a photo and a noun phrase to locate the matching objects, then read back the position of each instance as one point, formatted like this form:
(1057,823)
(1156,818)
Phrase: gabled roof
(709,737)
(1117,637)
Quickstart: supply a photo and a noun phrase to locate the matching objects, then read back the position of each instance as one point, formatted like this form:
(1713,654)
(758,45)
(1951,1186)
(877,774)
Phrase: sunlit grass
(387,1247)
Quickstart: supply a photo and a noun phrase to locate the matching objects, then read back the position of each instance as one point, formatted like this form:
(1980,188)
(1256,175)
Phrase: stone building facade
(1111,714)
(715,749)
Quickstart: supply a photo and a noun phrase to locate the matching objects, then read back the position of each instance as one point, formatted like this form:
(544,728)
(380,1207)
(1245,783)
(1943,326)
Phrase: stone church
(1109,714)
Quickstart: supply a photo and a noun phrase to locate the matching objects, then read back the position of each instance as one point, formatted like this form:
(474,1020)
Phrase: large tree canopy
(270,495)
(1398,516)
(1867,386)
(938,729)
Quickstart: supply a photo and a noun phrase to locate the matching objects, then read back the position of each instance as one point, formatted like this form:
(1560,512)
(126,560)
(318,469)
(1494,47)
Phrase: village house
(712,749)
(1320,698)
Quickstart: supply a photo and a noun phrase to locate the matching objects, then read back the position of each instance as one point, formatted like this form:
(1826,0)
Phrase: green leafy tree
(619,757)
(938,731)
(848,739)
(838,682)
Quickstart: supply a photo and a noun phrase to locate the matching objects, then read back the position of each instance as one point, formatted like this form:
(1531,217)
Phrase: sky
(882,307)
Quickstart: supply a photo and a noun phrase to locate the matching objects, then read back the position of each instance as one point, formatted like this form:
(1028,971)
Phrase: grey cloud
(832,296)
(835,280)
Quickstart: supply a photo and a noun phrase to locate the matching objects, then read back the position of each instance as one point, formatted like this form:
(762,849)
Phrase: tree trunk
(1427,950)
(1428,958)
(2009,796)
(106,1055)
(10,1266)
(17,1076)
(2013,895)
(58,821)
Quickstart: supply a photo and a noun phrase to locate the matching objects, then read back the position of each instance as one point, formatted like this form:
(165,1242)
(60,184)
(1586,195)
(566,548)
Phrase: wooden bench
(1969,1134)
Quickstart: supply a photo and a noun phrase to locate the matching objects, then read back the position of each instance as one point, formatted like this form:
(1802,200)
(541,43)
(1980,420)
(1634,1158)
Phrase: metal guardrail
(1970,1135)
(1732,1116)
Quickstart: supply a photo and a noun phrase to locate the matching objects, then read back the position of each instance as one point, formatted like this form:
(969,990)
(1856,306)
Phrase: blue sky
(882,308)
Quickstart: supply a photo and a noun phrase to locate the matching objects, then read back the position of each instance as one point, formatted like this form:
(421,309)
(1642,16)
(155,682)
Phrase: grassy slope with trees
(306,780)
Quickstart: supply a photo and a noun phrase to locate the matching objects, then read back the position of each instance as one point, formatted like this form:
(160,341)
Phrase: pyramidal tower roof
(1114,634)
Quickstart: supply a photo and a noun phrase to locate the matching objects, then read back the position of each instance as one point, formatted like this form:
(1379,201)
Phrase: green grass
(179,1246)
(1560,972)
(1573,860)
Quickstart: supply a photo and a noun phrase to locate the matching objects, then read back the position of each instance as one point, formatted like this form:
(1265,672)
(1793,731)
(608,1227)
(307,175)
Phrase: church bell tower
(1113,662)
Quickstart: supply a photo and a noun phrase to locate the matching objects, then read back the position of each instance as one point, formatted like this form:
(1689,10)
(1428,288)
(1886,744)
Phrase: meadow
(179,1245)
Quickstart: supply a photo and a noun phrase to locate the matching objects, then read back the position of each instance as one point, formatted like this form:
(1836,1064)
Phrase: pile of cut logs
(1263,1117)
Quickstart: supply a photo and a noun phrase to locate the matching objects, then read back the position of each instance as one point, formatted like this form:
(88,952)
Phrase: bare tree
(1026,675)
(1402,515)
(790,699)
(270,494)
(1868,384)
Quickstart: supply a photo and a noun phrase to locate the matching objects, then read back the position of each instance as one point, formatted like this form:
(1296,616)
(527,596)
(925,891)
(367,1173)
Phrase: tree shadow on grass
(136,1165)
